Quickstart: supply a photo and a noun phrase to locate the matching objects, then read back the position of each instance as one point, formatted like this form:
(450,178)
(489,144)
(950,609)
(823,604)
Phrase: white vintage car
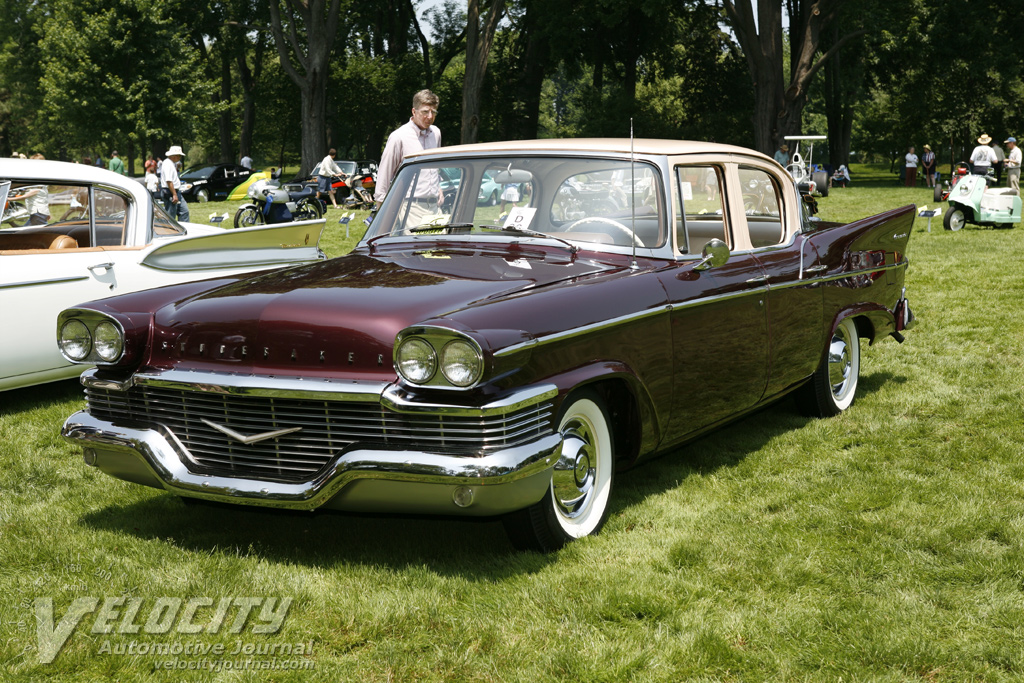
(73,233)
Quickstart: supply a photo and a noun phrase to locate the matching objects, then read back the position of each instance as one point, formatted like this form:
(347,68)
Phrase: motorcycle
(273,204)
(360,195)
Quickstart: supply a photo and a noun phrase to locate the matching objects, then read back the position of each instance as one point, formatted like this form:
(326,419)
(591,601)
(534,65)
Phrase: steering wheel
(607,221)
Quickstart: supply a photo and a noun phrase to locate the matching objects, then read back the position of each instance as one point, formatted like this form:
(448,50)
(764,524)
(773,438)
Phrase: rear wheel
(833,386)
(954,219)
(820,179)
(576,503)
(937,192)
(247,217)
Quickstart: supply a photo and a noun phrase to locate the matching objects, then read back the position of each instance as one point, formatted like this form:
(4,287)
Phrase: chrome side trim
(585,329)
(393,399)
(162,456)
(253,385)
(667,308)
(51,281)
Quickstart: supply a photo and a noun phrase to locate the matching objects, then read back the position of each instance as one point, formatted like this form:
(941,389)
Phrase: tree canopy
(282,80)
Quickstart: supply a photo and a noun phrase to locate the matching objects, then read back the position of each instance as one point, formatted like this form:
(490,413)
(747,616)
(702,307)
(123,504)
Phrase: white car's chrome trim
(50,281)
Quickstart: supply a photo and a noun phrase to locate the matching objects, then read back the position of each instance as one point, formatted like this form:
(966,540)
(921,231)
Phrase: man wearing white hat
(174,202)
(1013,159)
(982,157)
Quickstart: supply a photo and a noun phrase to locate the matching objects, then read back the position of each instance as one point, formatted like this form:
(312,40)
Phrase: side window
(761,205)
(700,212)
(111,216)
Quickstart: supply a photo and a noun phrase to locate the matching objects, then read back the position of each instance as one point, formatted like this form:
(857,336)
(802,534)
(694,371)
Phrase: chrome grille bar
(328,428)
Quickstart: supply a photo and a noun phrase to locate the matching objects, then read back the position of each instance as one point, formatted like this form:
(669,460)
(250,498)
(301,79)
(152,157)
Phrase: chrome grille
(328,427)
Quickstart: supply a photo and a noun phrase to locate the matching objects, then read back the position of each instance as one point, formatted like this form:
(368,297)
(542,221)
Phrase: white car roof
(592,145)
(55,171)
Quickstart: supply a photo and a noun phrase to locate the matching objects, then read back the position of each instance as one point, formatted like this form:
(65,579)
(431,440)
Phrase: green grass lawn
(886,544)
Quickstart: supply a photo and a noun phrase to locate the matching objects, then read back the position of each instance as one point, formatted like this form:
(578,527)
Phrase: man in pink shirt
(418,134)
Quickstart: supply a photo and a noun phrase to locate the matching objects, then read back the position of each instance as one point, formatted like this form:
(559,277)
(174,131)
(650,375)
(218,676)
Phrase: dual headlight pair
(430,359)
(102,342)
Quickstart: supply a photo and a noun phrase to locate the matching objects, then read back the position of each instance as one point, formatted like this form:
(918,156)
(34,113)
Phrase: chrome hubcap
(839,363)
(574,474)
(956,221)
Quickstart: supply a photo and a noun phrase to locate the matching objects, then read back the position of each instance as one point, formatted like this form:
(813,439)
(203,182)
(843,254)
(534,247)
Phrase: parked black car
(213,183)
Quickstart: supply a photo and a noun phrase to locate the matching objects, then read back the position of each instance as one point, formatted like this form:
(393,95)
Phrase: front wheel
(308,210)
(954,219)
(202,195)
(833,386)
(247,217)
(576,503)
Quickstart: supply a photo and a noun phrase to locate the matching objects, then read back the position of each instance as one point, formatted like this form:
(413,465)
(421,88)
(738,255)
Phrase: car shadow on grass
(42,396)
(725,447)
(458,546)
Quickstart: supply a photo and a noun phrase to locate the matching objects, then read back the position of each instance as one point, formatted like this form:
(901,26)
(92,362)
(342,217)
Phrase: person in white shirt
(416,135)
(174,202)
(1013,160)
(911,160)
(982,157)
(324,177)
(246,162)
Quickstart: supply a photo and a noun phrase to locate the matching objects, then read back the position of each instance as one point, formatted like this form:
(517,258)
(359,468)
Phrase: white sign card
(520,217)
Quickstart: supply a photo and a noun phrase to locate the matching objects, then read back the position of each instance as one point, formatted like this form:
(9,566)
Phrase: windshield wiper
(430,227)
(529,233)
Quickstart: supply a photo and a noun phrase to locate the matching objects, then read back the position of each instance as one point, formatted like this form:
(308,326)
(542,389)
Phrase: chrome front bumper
(400,480)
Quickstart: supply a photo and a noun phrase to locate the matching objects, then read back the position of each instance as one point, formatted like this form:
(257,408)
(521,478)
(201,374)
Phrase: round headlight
(75,340)
(108,342)
(461,363)
(416,360)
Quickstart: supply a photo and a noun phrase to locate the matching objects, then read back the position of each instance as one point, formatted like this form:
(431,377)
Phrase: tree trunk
(307,63)
(480,29)
(778,106)
(224,119)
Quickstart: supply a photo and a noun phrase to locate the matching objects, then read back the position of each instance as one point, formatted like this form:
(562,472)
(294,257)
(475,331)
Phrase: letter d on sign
(51,640)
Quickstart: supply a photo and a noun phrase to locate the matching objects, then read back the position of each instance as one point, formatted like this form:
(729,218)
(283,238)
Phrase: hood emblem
(254,438)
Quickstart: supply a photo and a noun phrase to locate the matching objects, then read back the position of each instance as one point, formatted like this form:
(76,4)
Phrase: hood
(340,317)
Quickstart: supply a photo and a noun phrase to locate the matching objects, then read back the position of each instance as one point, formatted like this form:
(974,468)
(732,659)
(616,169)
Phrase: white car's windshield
(600,201)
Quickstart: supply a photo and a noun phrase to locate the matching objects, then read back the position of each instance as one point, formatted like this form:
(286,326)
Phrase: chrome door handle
(820,268)
(757,280)
(104,266)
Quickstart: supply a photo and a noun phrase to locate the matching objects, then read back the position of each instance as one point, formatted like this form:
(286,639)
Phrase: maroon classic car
(623,298)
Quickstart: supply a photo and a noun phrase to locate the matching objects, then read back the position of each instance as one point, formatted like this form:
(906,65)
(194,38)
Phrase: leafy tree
(779,101)
(122,63)
(305,37)
(481,24)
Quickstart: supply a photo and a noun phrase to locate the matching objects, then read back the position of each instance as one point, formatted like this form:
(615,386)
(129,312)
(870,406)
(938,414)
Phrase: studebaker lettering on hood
(500,360)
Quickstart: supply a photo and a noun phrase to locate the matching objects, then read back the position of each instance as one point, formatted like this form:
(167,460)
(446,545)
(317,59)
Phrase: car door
(719,322)
(794,305)
(37,283)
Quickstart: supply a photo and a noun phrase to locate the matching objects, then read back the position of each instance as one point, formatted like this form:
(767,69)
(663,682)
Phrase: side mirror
(715,254)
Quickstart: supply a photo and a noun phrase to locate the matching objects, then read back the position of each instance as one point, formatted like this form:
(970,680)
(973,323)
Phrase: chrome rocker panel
(361,480)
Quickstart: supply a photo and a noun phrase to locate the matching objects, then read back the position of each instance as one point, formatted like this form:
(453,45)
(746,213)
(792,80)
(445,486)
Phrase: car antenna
(632,193)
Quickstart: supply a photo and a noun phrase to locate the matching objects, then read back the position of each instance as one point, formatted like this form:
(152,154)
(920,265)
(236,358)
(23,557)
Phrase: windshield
(194,173)
(600,201)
